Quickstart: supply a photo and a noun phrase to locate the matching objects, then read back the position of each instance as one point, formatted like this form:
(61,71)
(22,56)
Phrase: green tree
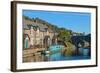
(64,34)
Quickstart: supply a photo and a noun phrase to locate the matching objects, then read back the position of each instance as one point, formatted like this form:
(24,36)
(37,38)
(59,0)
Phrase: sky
(75,21)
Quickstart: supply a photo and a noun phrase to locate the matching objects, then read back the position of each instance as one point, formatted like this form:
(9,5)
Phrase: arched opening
(26,41)
(47,41)
(55,40)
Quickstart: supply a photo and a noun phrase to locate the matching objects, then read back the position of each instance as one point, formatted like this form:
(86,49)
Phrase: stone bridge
(81,42)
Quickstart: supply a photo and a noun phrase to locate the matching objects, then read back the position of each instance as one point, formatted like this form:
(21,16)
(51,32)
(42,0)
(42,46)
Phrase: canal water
(57,55)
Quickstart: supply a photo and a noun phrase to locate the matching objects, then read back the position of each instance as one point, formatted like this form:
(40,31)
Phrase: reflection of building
(36,34)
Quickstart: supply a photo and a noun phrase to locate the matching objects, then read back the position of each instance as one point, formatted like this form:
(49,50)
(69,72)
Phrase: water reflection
(55,54)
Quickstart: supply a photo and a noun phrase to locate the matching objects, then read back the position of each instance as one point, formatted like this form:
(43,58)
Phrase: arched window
(26,41)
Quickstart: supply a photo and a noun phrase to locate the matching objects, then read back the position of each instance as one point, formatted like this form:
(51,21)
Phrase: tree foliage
(64,34)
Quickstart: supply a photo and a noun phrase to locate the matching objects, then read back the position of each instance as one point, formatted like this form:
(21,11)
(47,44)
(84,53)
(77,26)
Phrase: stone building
(36,34)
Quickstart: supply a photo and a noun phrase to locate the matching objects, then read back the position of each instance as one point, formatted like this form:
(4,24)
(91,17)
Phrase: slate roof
(42,27)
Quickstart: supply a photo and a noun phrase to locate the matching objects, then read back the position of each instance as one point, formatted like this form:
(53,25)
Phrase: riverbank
(33,55)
